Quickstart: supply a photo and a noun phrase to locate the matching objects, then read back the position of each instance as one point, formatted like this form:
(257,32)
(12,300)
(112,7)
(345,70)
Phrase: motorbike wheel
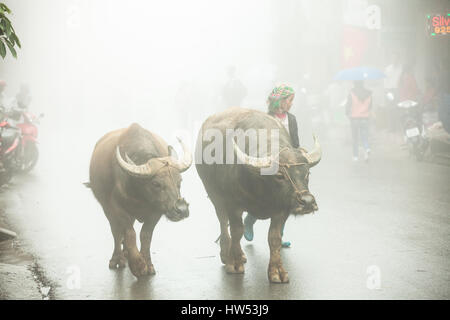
(30,157)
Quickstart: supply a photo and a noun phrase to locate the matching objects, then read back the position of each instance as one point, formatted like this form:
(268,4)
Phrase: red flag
(354,46)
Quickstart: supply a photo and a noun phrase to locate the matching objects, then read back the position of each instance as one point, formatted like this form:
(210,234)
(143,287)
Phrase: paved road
(382,232)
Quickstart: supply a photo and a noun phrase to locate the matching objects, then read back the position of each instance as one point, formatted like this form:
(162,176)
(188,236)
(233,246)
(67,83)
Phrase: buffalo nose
(308,200)
(182,208)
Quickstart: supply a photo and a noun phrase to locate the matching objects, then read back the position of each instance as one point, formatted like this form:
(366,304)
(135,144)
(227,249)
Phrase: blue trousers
(360,134)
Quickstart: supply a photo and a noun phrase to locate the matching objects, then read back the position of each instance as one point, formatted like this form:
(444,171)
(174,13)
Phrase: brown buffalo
(134,174)
(235,188)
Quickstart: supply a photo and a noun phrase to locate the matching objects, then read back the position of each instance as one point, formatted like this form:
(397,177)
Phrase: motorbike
(18,143)
(29,131)
(413,128)
(10,141)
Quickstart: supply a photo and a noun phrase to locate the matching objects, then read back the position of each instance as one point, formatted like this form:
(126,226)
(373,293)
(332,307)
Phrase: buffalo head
(289,186)
(158,181)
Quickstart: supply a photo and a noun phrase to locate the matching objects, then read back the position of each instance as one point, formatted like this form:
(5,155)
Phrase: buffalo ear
(172,152)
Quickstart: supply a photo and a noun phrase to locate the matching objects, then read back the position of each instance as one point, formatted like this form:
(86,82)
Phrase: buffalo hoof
(243,257)
(117,262)
(224,259)
(150,268)
(278,275)
(234,268)
(138,267)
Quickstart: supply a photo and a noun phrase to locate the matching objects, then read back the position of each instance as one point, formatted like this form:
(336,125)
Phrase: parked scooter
(18,143)
(10,150)
(29,130)
(413,128)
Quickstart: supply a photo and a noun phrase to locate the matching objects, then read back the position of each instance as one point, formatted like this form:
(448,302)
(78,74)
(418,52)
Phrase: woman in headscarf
(279,103)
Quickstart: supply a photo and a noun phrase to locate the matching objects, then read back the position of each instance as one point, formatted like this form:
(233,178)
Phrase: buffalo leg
(136,261)
(225,240)
(276,272)
(236,259)
(118,259)
(146,238)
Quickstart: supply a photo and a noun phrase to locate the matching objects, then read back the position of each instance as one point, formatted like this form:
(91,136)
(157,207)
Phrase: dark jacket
(293,129)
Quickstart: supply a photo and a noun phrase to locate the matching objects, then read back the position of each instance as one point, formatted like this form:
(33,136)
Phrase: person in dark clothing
(358,108)
(279,104)
(234,91)
(293,127)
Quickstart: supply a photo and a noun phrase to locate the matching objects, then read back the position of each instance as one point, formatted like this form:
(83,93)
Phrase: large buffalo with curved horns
(135,175)
(239,187)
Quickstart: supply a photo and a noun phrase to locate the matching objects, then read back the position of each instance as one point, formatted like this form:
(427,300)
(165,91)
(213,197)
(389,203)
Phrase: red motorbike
(29,130)
(10,141)
(18,144)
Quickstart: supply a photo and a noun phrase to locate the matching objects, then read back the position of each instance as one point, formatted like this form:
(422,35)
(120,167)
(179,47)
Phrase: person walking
(279,103)
(234,91)
(358,108)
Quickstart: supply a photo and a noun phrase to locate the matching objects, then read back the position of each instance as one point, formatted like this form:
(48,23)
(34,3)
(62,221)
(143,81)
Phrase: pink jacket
(360,109)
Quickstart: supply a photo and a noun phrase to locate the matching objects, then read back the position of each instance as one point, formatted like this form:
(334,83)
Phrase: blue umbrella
(360,73)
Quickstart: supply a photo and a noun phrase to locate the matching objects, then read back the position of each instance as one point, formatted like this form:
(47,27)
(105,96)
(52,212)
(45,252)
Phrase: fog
(105,64)
(118,62)
(101,65)
(93,66)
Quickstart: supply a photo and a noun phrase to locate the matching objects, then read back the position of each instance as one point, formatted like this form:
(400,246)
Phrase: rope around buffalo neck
(284,167)
(298,193)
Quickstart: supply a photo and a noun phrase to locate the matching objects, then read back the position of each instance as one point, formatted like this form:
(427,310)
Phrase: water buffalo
(134,174)
(235,188)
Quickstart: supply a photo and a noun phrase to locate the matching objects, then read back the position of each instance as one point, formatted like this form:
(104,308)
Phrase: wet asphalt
(382,232)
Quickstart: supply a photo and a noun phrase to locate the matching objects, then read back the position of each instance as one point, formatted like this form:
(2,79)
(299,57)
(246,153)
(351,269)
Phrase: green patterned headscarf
(277,95)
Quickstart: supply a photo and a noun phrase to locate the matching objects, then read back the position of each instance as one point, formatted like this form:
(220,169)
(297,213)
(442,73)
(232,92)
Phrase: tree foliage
(8,37)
